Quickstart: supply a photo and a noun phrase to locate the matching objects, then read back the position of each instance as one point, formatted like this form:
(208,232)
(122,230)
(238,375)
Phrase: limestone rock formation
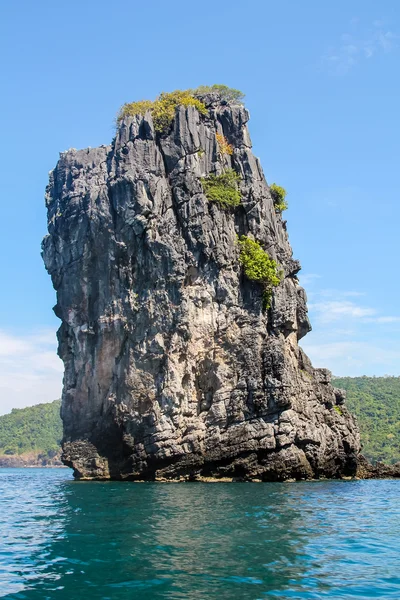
(173,369)
(379,470)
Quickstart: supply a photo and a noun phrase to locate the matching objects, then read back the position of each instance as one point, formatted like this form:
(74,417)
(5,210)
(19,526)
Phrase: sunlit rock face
(173,368)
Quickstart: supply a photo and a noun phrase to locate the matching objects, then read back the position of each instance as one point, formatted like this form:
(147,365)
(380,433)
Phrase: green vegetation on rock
(259,267)
(163,108)
(33,429)
(222,188)
(278,194)
(375,401)
(225,92)
(224,146)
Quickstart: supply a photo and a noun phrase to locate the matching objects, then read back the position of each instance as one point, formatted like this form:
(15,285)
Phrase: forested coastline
(375,401)
(31,436)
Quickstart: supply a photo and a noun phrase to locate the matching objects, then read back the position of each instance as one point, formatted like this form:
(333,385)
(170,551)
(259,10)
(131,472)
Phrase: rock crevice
(173,369)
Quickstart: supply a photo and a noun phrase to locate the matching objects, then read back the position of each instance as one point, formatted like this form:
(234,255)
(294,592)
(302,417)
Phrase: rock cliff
(173,368)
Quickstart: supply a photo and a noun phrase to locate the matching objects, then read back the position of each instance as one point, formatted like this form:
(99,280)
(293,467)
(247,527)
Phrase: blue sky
(322,86)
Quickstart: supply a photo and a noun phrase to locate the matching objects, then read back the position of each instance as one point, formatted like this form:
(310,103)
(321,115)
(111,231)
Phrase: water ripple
(66,540)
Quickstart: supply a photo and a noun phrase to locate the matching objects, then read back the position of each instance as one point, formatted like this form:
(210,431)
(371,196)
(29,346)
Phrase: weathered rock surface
(30,459)
(365,470)
(172,368)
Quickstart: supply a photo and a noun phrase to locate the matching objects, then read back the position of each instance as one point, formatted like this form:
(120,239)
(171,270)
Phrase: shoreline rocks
(30,460)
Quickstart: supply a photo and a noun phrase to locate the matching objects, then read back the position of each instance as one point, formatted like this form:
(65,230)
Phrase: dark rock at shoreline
(366,470)
(30,459)
(173,369)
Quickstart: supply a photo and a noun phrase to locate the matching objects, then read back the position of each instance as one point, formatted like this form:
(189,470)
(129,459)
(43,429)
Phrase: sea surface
(117,541)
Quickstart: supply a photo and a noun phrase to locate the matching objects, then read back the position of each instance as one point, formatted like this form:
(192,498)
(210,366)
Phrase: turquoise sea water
(117,541)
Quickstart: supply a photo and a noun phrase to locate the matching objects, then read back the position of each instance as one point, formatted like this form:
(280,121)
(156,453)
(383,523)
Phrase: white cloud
(308,278)
(30,370)
(329,306)
(342,294)
(386,40)
(329,311)
(352,358)
(344,332)
(347,335)
(358,46)
(383,320)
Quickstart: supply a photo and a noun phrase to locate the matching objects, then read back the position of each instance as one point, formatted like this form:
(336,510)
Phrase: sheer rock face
(172,368)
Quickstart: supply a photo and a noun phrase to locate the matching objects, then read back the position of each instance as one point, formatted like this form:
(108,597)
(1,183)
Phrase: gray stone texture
(172,368)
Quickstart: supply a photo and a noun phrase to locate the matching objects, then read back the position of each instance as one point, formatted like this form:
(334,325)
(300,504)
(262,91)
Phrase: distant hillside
(375,401)
(31,435)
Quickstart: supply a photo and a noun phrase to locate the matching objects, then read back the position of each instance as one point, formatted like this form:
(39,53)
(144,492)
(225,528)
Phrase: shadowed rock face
(172,368)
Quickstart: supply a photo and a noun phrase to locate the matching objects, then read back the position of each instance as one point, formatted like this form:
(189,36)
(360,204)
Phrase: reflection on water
(68,540)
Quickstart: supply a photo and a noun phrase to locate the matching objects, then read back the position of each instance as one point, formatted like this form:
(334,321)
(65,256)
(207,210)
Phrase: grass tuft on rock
(163,108)
(225,93)
(259,267)
(278,194)
(222,188)
(223,144)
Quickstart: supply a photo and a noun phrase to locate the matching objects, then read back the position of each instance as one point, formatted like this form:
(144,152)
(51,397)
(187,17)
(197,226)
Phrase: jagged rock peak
(175,365)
